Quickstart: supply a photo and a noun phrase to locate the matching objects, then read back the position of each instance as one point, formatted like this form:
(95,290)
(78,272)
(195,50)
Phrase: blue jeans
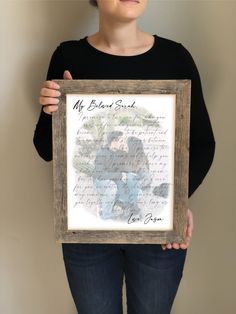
(111,191)
(108,193)
(133,185)
(95,274)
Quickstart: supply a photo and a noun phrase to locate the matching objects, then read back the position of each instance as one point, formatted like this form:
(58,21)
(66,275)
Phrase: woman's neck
(117,35)
(121,38)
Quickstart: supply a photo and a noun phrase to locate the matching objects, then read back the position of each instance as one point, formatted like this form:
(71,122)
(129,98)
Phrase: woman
(136,158)
(119,50)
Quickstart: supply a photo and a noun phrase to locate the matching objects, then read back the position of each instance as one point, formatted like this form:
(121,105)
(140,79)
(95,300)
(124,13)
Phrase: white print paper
(120,161)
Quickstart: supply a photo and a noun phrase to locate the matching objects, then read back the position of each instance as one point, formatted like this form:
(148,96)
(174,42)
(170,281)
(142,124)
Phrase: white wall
(32,277)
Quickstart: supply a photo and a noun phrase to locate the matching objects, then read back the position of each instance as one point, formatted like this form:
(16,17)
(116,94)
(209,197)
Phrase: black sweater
(165,60)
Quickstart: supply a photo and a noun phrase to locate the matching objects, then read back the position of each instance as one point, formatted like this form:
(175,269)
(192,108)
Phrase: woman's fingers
(48,96)
(51,85)
(50,92)
(45,101)
(67,75)
(50,109)
(188,232)
(185,245)
(46,92)
(176,245)
(190,225)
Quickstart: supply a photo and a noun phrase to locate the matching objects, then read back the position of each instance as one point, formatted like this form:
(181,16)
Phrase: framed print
(120,161)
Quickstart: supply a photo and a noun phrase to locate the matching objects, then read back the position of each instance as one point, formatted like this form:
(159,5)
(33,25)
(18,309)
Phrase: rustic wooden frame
(181,88)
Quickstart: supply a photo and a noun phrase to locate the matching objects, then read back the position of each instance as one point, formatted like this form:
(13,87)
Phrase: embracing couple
(121,172)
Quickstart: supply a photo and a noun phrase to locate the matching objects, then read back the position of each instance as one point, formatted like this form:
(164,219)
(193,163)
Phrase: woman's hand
(49,94)
(189,231)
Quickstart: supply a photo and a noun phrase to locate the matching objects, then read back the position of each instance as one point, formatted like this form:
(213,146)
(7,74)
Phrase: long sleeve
(167,60)
(202,143)
(43,132)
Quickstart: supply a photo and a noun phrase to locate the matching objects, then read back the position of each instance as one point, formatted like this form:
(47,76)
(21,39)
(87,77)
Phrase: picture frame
(121,148)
